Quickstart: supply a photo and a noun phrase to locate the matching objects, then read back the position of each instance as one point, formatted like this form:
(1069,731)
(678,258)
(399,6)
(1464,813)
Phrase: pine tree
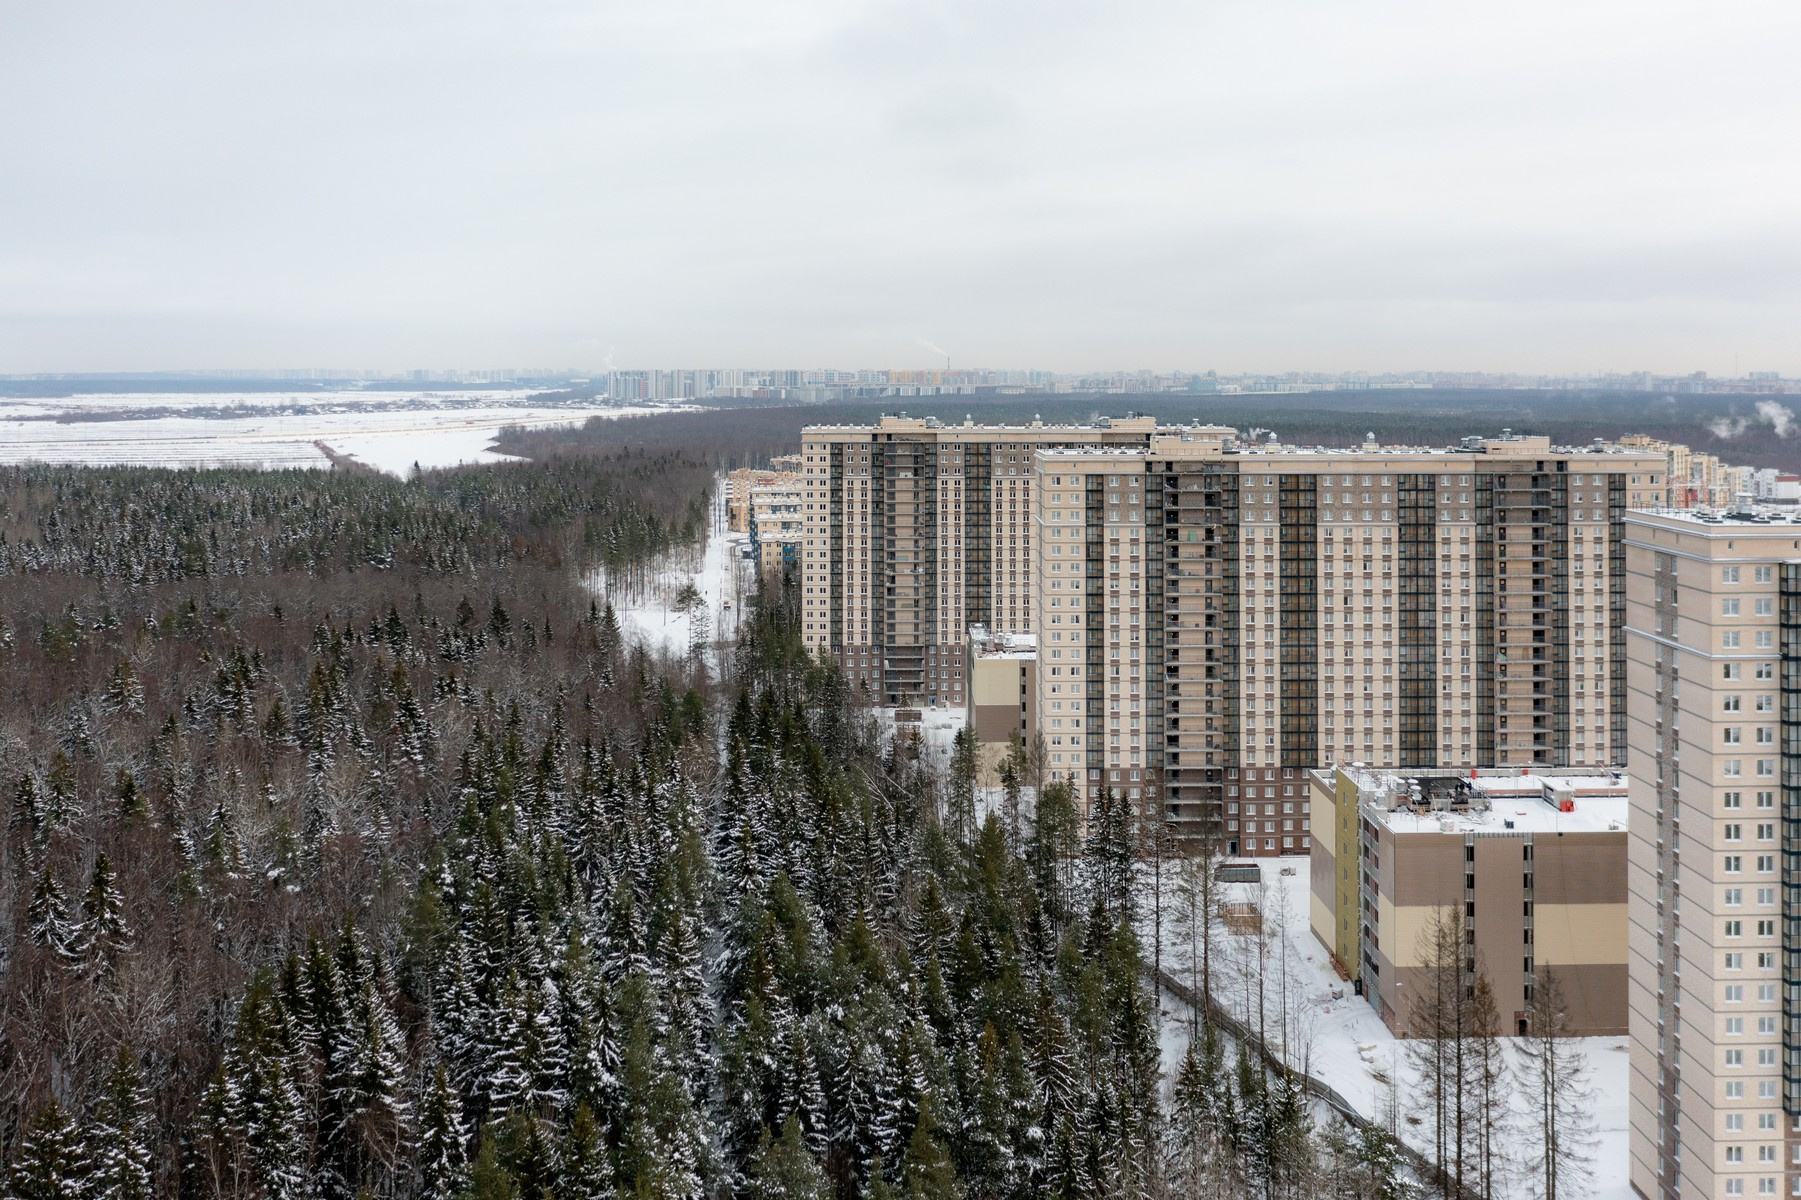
(500,624)
(460,1017)
(133,805)
(28,808)
(124,692)
(488,1178)
(684,991)
(927,1172)
(963,766)
(1109,858)
(509,1067)
(1200,1165)
(662,1150)
(118,1135)
(608,641)
(588,1032)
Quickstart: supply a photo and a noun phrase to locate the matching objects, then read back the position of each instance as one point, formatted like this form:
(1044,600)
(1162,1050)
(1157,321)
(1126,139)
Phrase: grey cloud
(466,182)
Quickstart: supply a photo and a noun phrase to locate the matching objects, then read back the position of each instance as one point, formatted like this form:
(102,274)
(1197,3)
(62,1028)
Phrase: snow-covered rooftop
(1730,521)
(1002,645)
(1495,801)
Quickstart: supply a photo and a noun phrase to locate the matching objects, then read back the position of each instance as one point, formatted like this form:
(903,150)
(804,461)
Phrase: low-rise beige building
(1535,861)
(740,485)
(1003,696)
(775,526)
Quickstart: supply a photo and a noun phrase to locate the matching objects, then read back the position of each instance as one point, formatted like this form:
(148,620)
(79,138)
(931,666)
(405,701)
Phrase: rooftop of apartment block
(1132,422)
(1739,519)
(1212,440)
(988,644)
(1494,800)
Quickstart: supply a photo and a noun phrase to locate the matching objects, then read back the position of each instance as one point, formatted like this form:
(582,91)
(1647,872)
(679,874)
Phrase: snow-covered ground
(721,574)
(937,731)
(1337,1037)
(390,431)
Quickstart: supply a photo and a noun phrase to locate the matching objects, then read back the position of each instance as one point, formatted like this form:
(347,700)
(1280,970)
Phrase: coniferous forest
(352,851)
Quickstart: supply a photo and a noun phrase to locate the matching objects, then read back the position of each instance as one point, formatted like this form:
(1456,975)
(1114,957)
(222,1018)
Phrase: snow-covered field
(721,574)
(390,431)
(1337,1036)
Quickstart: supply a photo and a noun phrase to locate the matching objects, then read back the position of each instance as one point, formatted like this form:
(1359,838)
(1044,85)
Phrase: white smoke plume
(940,351)
(1781,419)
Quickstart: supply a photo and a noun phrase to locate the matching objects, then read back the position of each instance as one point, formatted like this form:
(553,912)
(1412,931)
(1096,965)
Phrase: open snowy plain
(387,430)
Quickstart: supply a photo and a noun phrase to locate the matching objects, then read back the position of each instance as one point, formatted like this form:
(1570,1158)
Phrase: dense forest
(352,851)
(1742,430)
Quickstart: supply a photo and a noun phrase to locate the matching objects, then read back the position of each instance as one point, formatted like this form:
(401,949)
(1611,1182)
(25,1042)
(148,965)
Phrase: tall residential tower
(1215,616)
(916,530)
(1714,865)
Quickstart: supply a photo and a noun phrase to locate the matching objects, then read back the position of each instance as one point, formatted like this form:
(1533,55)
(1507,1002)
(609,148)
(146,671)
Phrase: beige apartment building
(777,530)
(1714,668)
(1003,696)
(1218,618)
(1536,860)
(742,483)
(1693,479)
(916,530)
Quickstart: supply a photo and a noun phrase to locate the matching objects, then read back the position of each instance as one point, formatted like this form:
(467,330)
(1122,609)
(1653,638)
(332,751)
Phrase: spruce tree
(585,1171)
(927,1172)
(786,1169)
(118,1135)
(51,1160)
(441,1168)
(47,916)
(104,931)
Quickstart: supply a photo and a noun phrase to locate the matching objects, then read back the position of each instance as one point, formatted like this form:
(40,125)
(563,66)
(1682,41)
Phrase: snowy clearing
(390,431)
(719,571)
(937,731)
(1337,1037)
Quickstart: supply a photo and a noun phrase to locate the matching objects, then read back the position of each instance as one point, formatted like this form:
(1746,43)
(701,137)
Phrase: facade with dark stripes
(1250,612)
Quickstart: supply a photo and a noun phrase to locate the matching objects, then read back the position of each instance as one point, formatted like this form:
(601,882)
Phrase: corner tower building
(1714,858)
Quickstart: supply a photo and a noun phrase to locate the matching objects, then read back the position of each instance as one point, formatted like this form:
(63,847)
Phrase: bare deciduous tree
(1561,1099)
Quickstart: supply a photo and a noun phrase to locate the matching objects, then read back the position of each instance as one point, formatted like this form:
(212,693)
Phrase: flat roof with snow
(1494,801)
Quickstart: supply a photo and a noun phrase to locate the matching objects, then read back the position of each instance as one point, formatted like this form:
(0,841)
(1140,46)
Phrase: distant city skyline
(1558,189)
(668,383)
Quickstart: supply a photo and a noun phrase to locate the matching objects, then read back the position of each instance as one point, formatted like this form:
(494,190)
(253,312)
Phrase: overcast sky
(1565,186)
